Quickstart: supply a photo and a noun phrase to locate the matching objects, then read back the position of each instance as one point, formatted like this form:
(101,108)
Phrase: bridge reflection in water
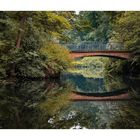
(95,89)
(78,97)
(120,94)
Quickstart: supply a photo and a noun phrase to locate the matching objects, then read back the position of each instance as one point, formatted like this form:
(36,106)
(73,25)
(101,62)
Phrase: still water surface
(46,104)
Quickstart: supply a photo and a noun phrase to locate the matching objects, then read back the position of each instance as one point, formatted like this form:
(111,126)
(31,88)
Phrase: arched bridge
(76,97)
(92,48)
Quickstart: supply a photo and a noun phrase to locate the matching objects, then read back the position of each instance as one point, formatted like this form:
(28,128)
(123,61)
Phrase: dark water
(95,86)
(46,104)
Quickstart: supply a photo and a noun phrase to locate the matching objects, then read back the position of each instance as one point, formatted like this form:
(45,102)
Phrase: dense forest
(30,42)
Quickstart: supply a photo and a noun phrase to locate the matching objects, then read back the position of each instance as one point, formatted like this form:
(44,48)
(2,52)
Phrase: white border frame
(65,5)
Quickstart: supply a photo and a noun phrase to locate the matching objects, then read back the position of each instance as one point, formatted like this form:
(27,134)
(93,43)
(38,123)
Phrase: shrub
(58,58)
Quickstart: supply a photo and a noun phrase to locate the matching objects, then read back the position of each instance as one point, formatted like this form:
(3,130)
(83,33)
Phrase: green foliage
(8,30)
(33,103)
(114,82)
(2,72)
(90,67)
(115,66)
(23,35)
(30,65)
(128,118)
(93,26)
(53,23)
(126,29)
(58,58)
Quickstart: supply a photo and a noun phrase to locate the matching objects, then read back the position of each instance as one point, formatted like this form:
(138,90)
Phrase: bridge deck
(76,97)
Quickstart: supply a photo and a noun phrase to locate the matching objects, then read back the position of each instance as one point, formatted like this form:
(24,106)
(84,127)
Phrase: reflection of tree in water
(73,118)
(90,67)
(109,114)
(128,118)
(83,84)
(63,114)
(29,104)
(100,115)
(90,114)
(95,85)
(129,115)
(46,104)
(134,88)
(114,83)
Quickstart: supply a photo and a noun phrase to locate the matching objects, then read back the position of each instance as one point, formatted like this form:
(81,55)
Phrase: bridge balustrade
(89,46)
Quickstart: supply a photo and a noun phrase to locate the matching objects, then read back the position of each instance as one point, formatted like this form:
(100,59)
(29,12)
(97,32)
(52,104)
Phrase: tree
(93,26)
(22,36)
(126,30)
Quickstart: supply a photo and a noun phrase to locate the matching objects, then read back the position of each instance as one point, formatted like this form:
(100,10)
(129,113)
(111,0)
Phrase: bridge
(92,48)
(120,94)
(78,97)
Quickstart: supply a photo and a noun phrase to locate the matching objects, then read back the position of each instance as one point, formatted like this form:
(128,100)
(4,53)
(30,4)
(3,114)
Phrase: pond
(47,104)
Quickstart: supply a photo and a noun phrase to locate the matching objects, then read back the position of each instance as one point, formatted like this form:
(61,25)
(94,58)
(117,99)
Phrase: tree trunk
(18,42)
(20,31)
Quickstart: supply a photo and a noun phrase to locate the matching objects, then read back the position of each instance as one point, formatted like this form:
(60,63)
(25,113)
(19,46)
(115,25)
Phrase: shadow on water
(30,104)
